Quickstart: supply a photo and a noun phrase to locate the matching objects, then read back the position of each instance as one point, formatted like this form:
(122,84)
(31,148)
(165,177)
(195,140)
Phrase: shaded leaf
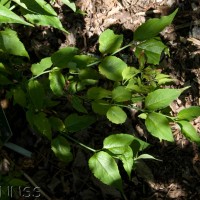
(189,113)
(112,67)
(121,94)
(129,72)
(116,115)
(109,42)
(56,124)
(104,167)
(77,104)
(158,125)
(100,107)
(4,80)
(61,149)
(98,93)
(19,96)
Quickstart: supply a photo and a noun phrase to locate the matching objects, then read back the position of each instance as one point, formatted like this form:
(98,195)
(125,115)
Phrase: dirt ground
(177,176)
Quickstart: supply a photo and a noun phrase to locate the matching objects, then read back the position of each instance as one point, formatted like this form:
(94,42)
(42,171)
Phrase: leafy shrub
(94,86)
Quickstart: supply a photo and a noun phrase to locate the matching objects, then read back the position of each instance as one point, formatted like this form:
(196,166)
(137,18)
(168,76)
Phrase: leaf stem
(45,72)
(79,143)
(124,47)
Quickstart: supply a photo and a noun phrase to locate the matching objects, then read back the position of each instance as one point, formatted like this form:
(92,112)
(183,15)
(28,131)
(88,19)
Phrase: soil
(177,175)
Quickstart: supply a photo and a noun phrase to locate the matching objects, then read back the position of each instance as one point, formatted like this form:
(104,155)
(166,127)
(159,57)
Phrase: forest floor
(177,176)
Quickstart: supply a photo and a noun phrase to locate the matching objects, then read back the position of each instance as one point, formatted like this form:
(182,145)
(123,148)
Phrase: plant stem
(124,47)
(45,72)
(79,143)
(94,63)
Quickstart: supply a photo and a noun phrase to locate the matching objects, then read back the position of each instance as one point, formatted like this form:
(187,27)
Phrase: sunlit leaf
(121,94)
(189,113)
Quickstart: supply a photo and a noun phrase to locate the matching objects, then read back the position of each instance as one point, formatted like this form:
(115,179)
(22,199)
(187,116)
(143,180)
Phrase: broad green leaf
(112,67)
(147,156)
(19,96)
(109,42)
(76,122)
(189,113)
(57,124)
(37,93)
(5,3)
(100,107)
(10,43)
(121,94)
(152,48)
(4,80)
(161,98)
(116,115)
(88,73)
(118,140)
(7,16)
(40,67)
(98,93)
(61,149)
(77,104)
(158,125)
(153,27)
(189,131)
(129,72)
(104,167)
(70,4)
(64,56)
(57,82)
(43,125)
(83,61)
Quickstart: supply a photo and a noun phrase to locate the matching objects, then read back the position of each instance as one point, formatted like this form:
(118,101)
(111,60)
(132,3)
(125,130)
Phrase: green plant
(93,86)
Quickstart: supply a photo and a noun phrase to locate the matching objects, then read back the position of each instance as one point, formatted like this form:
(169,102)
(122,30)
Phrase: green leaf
(147,156)
(70,4)
(162,98)
(104,167)
(64,56)
(57,124)
(189,131)
(10,43)
(88,73)
(163,79)
(100,107)
(19,96)
(109,42)
(129,72)
(43,125)
(7,16)
(116,115)
(61,149)
(98,93)
(40,67)
(4,80)
(152,48)
(112,67)
(57,82)
(77,104)
(37,93)
(158,125)
(83,61)
(118,140)
(5,3)
(189,113)
(121,94)
(76,122)
(153,27)
(39,12)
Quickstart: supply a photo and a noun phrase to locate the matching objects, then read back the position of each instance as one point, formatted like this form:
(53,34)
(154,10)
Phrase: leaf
(57,82)
(62,57)
(77,104)
(153,27)
(147,156)
(100,107)
(76,122)
(118,140)
(43,125)
(109,42)
(19,96)
(112,67)
(40,67)
(116,115)
(57,124)
(152,48)
(104,167)
(7,16)
(70,4)
(129,72)
(4,80)
(189,113)
(121,94)
(158,125)
(162,98)
(88,73)
(83,61)
(10,43)
(98,93)
(189,131)
(40,12)
(61,149)
(37,93)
